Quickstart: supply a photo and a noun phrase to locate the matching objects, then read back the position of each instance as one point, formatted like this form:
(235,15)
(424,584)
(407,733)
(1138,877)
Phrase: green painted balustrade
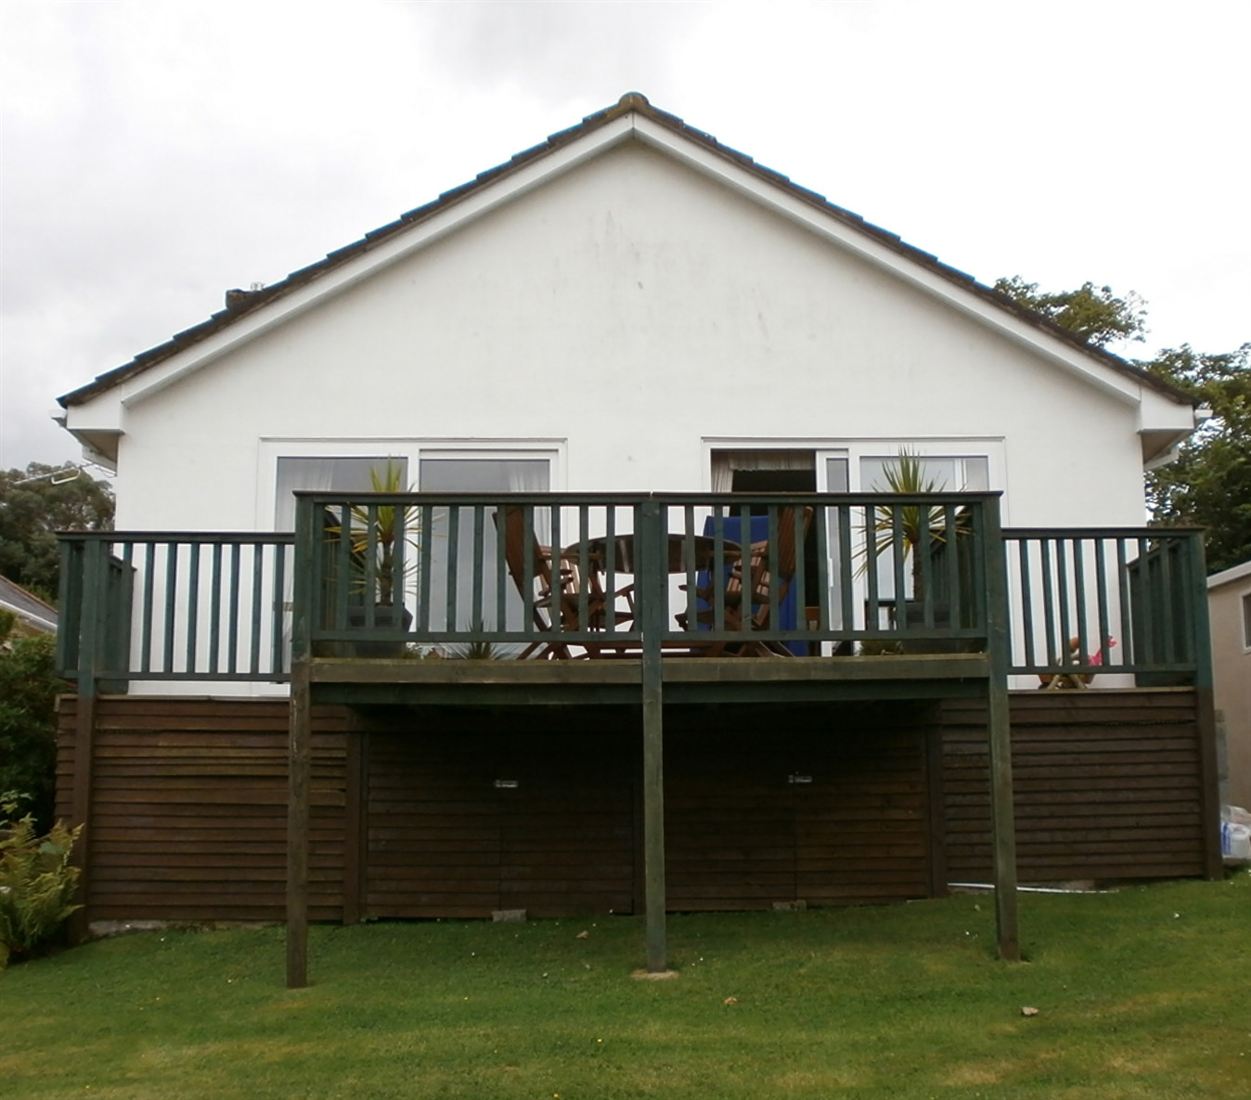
(572,575)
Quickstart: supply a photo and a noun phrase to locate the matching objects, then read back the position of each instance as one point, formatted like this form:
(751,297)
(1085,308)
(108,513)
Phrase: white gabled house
(630,307)
(623,307)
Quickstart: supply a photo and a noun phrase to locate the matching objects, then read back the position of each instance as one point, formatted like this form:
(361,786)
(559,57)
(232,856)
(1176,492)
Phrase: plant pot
(386,617)
(914,619)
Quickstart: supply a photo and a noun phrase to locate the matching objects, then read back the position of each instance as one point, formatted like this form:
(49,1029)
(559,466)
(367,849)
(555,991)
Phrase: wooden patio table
(625,558)
(625,552)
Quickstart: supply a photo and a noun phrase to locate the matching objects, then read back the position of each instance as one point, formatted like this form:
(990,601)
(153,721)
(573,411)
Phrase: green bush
(28,690)
(37,884)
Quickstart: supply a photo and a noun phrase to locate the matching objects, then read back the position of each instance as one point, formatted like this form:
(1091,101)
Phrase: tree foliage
(1209,485)
(28,690)
(33,511)
(1096,314)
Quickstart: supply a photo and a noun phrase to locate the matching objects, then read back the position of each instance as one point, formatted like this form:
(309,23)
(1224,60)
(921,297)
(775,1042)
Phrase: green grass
(1142,993)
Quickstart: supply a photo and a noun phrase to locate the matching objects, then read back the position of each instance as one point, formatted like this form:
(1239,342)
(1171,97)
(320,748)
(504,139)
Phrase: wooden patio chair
(760,583)
(557,595)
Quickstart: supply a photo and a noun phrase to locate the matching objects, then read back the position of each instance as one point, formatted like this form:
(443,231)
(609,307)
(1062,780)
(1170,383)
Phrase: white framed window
(449,466)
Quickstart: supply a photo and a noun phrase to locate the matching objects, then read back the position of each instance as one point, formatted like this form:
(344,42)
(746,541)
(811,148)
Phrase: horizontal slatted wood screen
(471,815)
(459,812)
(1108,785)
(189,808)
(829,806)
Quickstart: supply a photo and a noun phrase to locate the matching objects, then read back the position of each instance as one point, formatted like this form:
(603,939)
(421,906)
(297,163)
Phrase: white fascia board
(711,164)
(1235,573)
(1156,412)
(403,244)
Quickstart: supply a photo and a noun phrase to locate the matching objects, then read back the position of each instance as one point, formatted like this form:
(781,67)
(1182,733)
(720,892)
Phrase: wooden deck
(387,603)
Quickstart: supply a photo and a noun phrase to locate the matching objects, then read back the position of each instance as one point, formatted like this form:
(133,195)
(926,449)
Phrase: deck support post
(90,623)
(653,604)
(299,746)
(299,769)
(1002,816)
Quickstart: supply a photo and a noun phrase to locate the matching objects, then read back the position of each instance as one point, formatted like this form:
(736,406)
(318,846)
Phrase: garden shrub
(37,884)
(29,686)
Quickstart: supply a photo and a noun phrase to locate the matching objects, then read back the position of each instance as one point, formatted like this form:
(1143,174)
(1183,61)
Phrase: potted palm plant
(379,538)
(917,524)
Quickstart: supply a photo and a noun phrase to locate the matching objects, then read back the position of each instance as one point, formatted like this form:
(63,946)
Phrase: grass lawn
(1142,993)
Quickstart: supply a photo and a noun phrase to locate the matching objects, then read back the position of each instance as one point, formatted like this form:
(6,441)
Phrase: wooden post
(299,762)
(1002,818)
(652,595)
(1205,716)
(85,724)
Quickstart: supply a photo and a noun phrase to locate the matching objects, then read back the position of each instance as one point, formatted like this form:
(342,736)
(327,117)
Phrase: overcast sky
(153,154)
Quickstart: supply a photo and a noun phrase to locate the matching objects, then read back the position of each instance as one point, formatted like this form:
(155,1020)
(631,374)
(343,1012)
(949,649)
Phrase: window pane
(477,475)
(330,474)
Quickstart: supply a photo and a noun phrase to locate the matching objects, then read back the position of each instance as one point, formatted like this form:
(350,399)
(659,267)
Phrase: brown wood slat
(189,808)
(1107,786)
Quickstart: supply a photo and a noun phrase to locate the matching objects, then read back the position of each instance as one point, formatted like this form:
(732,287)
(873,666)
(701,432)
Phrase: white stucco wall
(625,313)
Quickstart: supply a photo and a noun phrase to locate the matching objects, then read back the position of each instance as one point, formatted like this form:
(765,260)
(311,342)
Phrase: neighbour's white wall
(629,310)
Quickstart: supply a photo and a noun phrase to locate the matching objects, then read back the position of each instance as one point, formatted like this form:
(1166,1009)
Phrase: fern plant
(37,884)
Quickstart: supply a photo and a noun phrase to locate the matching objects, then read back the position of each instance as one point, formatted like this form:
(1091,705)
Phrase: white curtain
(724,463)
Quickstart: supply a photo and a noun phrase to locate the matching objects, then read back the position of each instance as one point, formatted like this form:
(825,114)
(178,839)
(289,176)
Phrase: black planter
(914,619)
(386,617)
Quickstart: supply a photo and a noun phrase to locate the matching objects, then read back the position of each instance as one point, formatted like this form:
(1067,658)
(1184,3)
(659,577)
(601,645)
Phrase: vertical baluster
(453,564)
(372,593)
(149,577)
(746,569)
(688,559)
(846,571)
(1146,605)
(399,565)
(527,572)
(955,598)
(1027,600)
(873,612)
(171,593)
(501,570)
(610,563)
(277,642)
(1128,641)
(1165,552)
(1079,598)
(716,569)
(215,608)
(775,567)
(558,573)
(899,560)
(1062,596)
(343,567)
(425,568)
(258,575)
(584,577)
(1049,611)
(1101,599)
(798,582)
(232,632)
(193,603)
(477,621)
(923,566)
